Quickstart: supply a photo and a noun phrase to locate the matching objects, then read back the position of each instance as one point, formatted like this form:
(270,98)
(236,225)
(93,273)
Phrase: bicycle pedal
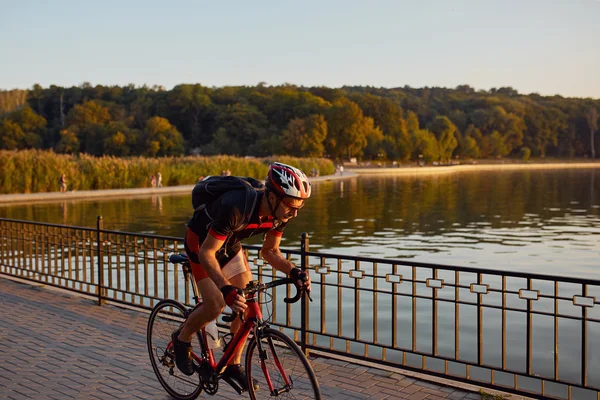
(234,384)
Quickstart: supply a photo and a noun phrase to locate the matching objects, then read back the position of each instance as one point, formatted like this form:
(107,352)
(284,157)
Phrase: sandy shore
(467,168)
(349,172)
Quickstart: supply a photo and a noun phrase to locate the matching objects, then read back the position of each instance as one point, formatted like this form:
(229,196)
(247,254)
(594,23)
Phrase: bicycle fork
(265,356)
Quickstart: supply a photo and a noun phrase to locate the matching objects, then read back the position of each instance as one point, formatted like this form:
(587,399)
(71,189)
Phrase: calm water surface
(545,221)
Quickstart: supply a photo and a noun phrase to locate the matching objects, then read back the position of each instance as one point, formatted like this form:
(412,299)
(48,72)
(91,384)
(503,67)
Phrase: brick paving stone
(448,390)
(62,346)
(417,396)
(379,396)
(428,385)
(457,395)
(437,392)
(396,394)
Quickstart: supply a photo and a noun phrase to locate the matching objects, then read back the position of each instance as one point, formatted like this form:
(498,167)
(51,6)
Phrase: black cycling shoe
(235,375)
(183,354)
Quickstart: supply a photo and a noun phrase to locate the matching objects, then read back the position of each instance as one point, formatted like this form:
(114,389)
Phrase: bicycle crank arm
(233,384)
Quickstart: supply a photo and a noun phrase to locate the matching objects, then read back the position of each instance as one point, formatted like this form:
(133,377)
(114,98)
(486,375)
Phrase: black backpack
(213,187)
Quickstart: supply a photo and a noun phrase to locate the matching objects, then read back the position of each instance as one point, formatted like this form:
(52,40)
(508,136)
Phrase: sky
(535,46)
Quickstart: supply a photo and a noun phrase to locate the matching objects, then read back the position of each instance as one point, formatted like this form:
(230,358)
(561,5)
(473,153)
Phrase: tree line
(400,124)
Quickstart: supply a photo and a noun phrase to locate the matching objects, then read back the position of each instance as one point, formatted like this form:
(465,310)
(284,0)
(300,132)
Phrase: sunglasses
(292,208)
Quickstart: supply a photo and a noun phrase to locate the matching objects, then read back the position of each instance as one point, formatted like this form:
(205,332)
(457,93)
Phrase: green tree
(412,123)
(160,138)
(467,143)
(242,125)
(498,145)
(11,135)
(346,129)
(22,129)
(304,137)
(120,140)
(375,143)
(220,143)
(389,117)
(444,131)
(592,120)
(426,145)
(189,107)
(86,114)
(68,143)
(88,121)
(288,103)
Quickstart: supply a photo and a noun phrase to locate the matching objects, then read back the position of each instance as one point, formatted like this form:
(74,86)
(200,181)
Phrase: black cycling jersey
(224,219)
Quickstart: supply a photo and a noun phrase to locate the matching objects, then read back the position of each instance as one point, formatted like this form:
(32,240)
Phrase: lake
(545,221)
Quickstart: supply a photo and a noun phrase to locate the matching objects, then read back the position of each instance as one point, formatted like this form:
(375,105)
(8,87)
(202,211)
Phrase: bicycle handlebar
(255,287)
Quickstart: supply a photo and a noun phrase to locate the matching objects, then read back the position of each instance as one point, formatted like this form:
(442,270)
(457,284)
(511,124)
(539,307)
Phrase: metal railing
(524,333)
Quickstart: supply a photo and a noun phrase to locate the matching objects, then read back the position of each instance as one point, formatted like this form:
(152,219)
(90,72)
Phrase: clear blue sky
(545,46)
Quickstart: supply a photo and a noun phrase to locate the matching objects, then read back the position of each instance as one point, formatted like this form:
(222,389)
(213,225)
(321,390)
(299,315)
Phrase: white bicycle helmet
(286,180)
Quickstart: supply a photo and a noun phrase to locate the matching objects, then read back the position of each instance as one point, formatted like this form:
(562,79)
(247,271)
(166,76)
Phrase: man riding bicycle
(213,245)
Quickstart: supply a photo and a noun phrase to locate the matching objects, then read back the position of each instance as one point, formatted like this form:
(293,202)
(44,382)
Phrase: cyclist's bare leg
(240,281)
(212,306)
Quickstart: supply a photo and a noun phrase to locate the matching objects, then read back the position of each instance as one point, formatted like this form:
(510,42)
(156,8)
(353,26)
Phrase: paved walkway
(57,345)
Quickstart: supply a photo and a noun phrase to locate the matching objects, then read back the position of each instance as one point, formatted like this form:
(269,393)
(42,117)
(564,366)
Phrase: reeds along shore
(37,171)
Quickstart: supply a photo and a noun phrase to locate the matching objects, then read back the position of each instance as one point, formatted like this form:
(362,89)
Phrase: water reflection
(538,220)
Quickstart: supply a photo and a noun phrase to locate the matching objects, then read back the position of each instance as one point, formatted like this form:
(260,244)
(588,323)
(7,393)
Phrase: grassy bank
(36,171)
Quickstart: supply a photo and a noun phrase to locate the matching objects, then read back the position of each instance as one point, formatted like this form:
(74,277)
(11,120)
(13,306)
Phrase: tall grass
(34,171)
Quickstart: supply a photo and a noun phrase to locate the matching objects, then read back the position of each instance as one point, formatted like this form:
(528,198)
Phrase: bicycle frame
(253,315)
(253,321)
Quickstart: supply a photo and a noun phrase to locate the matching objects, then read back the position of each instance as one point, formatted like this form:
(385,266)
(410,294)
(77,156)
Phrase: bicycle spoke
(167,317)
(287,370)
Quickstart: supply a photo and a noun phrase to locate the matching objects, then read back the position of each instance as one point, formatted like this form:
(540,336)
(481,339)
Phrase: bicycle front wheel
(166,317)
(280,368)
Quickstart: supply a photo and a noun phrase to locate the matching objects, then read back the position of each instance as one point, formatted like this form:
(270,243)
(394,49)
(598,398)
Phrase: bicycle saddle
(178,258)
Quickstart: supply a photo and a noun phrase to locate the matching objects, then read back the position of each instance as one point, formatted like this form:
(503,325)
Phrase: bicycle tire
(165,318)
(278,346)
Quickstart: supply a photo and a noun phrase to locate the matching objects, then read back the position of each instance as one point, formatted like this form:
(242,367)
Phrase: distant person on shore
(152,181)
(63,183)
(158,179)
(341,170)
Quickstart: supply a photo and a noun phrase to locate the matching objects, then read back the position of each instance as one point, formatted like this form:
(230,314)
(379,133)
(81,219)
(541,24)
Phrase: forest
(367,123)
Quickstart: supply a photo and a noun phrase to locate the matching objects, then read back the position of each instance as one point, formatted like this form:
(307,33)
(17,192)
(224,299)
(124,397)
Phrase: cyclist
(212,242)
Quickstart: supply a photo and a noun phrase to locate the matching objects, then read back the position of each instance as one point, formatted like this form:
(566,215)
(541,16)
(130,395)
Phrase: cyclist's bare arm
(271,253)
(208,260)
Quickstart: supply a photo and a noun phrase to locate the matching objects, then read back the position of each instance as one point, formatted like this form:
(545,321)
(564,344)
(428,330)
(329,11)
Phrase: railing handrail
(445,267)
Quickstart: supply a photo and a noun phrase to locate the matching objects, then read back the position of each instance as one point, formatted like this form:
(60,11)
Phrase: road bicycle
(275,366)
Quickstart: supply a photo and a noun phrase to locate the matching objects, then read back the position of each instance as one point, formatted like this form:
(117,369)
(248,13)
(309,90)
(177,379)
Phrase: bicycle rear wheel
(166,317)
(285,367)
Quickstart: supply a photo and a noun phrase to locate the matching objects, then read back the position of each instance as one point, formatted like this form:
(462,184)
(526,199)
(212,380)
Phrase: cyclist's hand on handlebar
(302,278)
(234,298)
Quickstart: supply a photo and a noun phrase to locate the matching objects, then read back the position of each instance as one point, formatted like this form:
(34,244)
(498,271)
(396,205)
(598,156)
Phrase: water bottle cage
(226,339)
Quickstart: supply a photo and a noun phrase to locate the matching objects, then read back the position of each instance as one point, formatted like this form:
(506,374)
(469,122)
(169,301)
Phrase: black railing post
(304,303)
(100,260)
